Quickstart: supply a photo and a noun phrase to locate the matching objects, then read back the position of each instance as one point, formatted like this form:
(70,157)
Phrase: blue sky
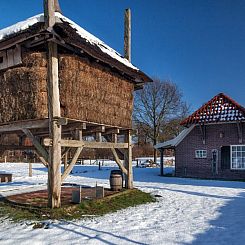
(198,44)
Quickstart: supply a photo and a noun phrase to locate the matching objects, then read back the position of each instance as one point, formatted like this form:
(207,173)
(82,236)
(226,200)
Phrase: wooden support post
(127,34)
(128,161)
(161,162)
(98,137)
(54,173)
(65,161)
(114,138)
(30,169)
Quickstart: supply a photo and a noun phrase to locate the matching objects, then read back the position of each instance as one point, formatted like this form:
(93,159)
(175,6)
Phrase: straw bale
(88,91)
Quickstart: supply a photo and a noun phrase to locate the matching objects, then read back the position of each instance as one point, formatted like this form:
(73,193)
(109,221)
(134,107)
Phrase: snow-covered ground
(189,212)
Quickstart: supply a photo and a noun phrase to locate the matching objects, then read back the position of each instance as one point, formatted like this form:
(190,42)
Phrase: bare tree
(155,105)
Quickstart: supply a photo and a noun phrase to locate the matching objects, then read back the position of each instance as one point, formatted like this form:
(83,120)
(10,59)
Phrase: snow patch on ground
(190,211)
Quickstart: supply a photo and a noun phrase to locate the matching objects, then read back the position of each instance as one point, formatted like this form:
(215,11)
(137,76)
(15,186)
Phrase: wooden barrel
(116,181)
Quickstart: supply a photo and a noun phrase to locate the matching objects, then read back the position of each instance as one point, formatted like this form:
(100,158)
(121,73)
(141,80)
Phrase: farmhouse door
(215,161)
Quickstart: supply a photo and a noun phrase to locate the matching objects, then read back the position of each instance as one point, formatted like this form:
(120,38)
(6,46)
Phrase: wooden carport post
(54,170)
(161,162)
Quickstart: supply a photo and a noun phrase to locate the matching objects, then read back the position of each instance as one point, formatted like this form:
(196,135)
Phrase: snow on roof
(21,26)
(174,142)
(221,108)
(24,25)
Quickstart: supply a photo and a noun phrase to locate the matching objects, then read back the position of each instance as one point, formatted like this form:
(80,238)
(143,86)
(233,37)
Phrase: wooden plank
(17,55)
(10,57)
(3,57)
(118,161)
(87,144)
(39,148)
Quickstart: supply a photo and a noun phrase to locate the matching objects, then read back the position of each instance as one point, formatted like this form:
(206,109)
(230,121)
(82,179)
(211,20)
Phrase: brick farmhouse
(212,145)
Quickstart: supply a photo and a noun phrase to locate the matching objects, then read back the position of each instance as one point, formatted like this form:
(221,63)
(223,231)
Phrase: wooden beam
(39,148)
(18,126)
(111,131)
(71,164)
(161,162)
(54,173)
(203,133)
(239,130)
(128,161)
(127,34)
(17,147)
(74,159)
(95,129)
(49,13)
(87,144)
(98,136)
(114,138)
(43,161)
(118,161)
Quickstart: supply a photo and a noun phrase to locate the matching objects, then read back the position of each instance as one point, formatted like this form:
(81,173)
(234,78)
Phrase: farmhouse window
(201,154)
(238,157)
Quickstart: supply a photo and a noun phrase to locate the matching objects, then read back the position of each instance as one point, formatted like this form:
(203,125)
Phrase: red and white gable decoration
(221,108)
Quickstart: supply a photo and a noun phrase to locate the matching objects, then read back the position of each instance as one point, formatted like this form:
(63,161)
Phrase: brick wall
(189,166)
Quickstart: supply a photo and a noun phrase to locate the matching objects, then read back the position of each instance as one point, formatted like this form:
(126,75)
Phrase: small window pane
(238,157)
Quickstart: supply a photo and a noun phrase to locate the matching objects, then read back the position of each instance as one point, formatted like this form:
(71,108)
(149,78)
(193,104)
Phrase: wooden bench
(5,177)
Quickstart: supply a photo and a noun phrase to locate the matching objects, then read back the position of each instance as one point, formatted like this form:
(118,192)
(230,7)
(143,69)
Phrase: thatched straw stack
(88,91)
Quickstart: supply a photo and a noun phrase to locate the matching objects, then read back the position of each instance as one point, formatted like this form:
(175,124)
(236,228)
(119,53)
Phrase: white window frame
(202,156)
(231,151)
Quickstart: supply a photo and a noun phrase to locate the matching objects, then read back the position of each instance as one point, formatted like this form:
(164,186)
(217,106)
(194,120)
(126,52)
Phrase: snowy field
(189,211)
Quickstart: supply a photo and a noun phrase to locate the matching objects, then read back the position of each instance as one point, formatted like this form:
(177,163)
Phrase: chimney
(127,34)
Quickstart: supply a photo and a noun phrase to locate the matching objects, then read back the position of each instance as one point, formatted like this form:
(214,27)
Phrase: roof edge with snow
(174,142)
(89,40)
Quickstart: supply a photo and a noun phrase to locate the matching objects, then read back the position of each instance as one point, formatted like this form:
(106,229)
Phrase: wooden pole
(127,34)
(54,173)
(30,169)
(161,162)
(128,161)
(65,161)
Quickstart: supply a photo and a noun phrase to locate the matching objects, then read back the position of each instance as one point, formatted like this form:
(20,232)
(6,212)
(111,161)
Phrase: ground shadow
(229,227)
(16,183)
(98,233)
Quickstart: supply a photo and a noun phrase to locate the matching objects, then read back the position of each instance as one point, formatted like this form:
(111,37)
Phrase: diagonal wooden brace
(41,151)
(118,161)
(72,163)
